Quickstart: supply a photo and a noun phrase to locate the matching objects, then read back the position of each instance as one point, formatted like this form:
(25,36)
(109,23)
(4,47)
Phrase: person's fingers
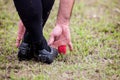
(51,40)
(59,43)
(17,44)
(18,40)
(70,46)
(20,34)
(53,46)
(66,32)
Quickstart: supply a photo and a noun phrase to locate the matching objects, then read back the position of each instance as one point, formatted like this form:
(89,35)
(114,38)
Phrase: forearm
(64,13)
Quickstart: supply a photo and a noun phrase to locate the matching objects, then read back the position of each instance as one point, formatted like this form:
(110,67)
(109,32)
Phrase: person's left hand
(60,36)
(20,34)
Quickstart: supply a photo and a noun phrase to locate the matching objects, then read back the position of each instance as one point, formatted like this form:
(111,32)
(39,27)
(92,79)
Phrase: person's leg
(30,12)
(47,6)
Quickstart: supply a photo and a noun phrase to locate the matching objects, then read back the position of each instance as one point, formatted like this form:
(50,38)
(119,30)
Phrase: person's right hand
(20,34)
(60,36)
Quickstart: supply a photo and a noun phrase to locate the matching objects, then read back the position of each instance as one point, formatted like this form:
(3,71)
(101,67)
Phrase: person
(34,14)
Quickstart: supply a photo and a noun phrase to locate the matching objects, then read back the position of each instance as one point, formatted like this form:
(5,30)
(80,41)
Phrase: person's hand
(60,36)
(20,34)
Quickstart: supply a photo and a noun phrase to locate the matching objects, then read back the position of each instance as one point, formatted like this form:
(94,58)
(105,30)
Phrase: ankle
(41,45)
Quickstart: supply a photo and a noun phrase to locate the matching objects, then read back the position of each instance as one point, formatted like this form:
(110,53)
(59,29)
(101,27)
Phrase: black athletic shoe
(25,52)
(46,56)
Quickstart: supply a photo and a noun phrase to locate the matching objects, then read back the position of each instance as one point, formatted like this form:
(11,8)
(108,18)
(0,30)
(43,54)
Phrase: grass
(95,31)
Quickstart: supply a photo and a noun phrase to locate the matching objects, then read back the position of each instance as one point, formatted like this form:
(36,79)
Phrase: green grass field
(95,31)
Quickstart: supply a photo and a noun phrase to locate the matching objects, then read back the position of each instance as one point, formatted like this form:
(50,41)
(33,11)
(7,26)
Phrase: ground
(95,32)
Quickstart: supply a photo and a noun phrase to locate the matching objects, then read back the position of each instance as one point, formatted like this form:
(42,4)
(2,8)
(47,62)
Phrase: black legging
(34,14)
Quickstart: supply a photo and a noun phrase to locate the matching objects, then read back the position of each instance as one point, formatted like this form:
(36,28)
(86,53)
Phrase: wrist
(62,24)
(62,21)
